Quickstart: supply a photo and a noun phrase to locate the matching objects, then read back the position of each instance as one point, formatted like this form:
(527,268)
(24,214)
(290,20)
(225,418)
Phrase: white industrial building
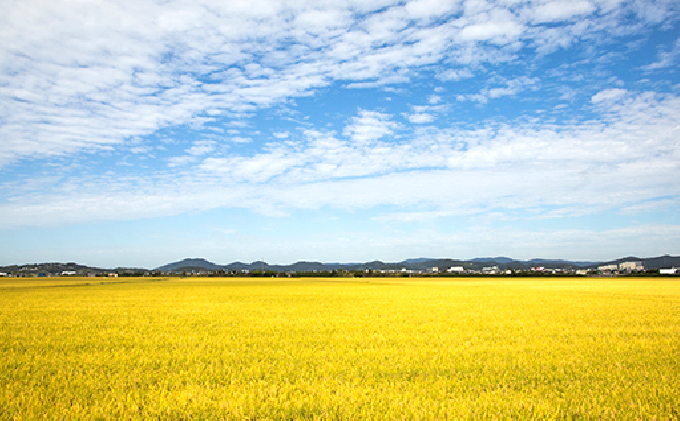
(631,266)
(491,270)
(607,268)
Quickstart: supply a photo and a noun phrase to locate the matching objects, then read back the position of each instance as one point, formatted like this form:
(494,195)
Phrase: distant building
(491,270)
(673,271)
(631,266)
(607,268)
(68,272)
(455,269)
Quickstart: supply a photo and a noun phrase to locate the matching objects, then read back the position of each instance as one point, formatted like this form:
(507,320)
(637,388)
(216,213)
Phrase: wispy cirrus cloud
(666,58)
(502,88)
(560,10)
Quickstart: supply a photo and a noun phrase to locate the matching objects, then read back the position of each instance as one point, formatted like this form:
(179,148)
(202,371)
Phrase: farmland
(338,349)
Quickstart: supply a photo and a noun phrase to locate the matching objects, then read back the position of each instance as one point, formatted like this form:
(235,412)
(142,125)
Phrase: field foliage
(340,349)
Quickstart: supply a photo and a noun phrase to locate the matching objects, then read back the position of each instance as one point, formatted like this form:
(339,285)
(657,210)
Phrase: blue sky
(139,133)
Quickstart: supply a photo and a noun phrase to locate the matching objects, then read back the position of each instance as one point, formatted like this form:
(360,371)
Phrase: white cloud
(655,12)
(431,8)
(434,99)
(258,169)
(655,205)
(498,26)
(666,58)
(455,74)
(508,88)
(419,118)
(426,113)
(419,216)
(141,149)
(178,161)
(560,10)
(608,95)
(282,135)
(201,147)
(370,126)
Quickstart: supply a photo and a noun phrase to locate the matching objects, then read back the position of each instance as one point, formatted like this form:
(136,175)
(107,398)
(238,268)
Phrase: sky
(137,133)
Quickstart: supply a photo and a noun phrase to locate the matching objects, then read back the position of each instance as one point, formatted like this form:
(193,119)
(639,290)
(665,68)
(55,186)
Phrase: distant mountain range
(420,263)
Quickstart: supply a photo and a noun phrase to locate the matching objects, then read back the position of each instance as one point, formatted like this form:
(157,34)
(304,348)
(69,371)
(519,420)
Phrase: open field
(339,349)
(12,283)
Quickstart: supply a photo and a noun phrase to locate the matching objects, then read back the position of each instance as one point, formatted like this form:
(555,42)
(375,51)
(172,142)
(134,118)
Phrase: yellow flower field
(340,349)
